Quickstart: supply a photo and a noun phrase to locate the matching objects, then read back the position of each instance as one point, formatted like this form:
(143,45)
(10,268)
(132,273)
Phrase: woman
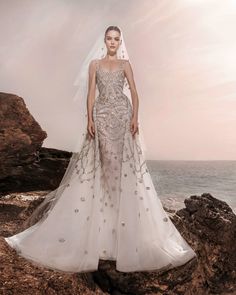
(106,206)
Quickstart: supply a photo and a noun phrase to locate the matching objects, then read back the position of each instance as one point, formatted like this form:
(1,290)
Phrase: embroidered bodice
(110,83)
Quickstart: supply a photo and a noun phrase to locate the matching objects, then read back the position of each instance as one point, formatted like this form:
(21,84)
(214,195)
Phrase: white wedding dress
(109,208)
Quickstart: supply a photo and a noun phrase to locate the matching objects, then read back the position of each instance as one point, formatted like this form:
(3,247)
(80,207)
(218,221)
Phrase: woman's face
(112,41)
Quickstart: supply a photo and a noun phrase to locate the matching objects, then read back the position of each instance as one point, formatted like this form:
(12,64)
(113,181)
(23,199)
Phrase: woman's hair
(110,28)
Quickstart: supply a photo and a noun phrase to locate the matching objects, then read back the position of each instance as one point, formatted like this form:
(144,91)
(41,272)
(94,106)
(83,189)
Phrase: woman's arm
(91,96)
(134,95)
(91,88)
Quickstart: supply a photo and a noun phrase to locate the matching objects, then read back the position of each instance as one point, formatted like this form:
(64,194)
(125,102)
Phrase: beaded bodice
(110,83)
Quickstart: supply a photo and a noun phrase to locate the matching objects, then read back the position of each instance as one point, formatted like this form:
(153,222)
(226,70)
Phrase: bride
(106,206)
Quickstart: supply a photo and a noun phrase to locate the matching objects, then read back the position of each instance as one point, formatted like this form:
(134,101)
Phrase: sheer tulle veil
(98,51)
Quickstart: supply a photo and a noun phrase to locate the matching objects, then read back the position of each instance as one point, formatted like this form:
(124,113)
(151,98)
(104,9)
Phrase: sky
(183,55)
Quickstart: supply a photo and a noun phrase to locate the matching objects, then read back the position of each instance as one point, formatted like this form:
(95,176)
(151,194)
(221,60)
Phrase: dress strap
(97,63)
(122,64)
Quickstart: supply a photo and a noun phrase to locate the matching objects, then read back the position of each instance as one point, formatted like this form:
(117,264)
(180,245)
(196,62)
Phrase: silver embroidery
(114,144)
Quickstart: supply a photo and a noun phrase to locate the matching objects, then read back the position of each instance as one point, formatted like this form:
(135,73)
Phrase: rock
(27,165)
(207,224)
(211,224)
(20,135)
(45,173)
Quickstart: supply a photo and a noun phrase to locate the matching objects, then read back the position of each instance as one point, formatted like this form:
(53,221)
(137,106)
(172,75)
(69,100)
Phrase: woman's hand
(134,126)
(91,128)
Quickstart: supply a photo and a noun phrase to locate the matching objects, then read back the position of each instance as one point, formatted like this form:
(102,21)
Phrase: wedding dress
(109,208)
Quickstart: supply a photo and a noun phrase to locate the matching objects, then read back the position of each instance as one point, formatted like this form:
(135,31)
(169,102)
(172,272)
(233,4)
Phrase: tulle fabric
(106,206)
(74,235)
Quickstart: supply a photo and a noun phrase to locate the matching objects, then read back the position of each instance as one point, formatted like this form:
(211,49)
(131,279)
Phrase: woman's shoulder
(94,61)
(124,62)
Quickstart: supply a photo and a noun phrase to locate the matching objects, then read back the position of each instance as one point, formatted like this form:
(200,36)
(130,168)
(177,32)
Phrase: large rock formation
(208,224)
(25,164)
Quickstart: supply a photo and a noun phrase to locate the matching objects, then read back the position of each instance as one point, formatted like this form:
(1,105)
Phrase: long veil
(80,100)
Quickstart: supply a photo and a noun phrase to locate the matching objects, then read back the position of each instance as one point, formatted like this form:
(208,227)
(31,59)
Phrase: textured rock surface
(45,173)
(209,225)
(25,165)
(20,134)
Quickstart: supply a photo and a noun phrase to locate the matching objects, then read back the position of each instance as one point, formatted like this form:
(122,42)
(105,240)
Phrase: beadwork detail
(114,147)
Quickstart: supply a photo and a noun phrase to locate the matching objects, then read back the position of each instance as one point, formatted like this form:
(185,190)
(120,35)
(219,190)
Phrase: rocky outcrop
(45,173)
(208,224)
(25,164)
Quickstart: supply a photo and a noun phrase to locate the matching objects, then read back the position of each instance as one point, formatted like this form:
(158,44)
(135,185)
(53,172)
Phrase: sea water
(177,180)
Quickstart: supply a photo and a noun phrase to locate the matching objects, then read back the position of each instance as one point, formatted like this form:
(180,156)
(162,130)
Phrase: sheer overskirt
(108,208)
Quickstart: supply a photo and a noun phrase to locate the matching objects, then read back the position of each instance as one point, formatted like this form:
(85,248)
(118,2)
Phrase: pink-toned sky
(183,54)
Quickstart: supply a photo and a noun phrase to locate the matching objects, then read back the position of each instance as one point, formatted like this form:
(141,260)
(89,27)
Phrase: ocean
(177,180)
